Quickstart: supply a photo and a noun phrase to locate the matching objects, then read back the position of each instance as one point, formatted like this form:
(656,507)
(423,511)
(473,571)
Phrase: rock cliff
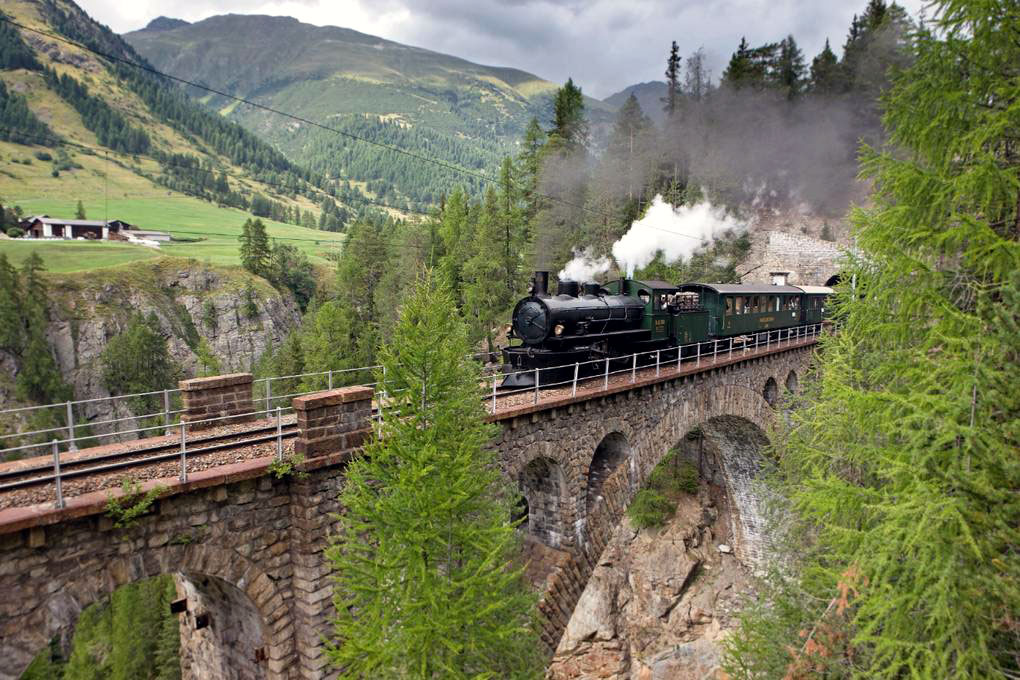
(192,302)
(659,601)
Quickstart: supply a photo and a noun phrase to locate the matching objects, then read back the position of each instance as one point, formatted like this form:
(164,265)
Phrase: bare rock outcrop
(659,601)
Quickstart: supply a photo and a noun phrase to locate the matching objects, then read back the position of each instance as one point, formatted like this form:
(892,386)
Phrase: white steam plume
(584,267)
(676,232)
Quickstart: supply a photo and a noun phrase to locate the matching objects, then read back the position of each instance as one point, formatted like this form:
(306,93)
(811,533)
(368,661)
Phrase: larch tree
(903,470)
(426,580)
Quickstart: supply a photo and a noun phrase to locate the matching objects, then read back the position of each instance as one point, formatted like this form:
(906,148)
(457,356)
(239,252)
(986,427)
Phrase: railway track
(41,474)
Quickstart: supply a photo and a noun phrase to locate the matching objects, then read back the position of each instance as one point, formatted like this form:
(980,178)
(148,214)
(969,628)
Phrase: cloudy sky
(604,45)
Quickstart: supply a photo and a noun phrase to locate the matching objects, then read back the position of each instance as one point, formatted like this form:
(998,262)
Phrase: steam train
(591,323)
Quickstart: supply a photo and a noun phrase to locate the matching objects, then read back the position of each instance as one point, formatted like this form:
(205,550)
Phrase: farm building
(44,226)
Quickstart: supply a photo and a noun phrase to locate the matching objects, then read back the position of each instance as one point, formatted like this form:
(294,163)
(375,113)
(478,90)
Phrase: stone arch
(771,391)
(612,452)
(543,486)
(792,383)
(86,581)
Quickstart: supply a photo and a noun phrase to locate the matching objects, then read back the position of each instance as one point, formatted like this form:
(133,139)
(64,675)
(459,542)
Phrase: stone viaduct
(247,547)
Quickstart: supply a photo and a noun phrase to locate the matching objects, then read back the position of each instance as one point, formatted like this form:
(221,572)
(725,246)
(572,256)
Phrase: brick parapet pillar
(215,397)
(337,421)
(334,421)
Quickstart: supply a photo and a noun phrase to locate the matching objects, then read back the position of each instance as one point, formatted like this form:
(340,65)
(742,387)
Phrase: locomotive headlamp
(558,329)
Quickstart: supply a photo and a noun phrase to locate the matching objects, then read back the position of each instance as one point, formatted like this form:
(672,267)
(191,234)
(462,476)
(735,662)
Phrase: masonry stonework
(809,261)
(337,420)
(215,397)
(241,541)
(650,420)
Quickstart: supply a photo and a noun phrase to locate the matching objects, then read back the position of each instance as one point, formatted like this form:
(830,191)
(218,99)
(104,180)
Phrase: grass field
(74,256)
(209,233)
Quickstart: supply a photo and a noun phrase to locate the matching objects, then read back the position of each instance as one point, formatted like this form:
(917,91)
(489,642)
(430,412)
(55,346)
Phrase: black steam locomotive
(591,323)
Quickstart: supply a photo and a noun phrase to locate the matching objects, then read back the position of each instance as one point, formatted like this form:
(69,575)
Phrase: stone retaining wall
(221,395)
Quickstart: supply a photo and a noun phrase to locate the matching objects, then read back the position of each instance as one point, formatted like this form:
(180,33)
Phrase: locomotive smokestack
(568,287)
(540,284)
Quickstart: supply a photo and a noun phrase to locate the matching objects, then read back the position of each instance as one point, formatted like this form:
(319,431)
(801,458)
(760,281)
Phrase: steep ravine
(661,600)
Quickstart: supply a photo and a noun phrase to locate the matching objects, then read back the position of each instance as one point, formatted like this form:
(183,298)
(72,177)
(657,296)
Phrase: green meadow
(200,230)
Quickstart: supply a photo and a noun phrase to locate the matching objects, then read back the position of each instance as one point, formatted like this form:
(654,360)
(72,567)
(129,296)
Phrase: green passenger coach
(738,309)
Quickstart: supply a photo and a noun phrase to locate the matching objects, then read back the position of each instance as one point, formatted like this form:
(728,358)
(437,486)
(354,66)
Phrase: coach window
(775,303)
(729,305)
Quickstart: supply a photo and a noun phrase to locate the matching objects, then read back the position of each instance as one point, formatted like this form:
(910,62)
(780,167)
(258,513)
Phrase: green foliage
(649,509)
(254,247)
(132,635)
(138,360)
(14,53)
(19,124)
(208,363)
(125,509)
(23,320)
(656,502)
(288,466)
(902,467)
(209,316)
(249,307)
(79,211)
(111,128)
(570,128)
(426,581)
(289,269)
(15,232)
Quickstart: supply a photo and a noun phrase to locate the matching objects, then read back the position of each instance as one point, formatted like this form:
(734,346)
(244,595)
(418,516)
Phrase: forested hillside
(421,101)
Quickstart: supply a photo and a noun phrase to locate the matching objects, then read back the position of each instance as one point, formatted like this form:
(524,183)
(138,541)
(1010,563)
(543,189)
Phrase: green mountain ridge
(463,113)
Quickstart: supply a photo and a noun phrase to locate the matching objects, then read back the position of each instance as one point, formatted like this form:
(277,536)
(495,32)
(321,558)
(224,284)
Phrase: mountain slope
(93,107)
(461,112)
(649,96)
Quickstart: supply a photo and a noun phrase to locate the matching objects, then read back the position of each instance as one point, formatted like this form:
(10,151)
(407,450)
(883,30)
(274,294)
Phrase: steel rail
(172,454)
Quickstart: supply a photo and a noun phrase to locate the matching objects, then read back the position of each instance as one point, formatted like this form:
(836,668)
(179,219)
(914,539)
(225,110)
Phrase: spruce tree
(789,69)
(570,129)
(79,211)
(426,584)
(673,93)
(903,469)
(826,76)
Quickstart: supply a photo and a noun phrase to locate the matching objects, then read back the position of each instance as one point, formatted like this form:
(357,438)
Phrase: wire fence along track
(640,363)
(15,477)
(77,429)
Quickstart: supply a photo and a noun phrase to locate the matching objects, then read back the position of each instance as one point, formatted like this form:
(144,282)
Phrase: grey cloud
(603,44)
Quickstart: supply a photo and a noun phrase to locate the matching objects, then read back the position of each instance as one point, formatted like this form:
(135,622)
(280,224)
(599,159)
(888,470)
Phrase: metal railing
(589,374)
(77,430)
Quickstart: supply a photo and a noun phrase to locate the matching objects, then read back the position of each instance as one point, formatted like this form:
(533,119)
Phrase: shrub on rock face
(649,509)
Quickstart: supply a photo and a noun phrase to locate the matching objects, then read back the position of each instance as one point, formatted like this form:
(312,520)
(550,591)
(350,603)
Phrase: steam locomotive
(591,323)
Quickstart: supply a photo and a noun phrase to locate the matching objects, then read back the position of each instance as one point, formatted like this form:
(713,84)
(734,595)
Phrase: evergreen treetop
(673,92)
(570,129)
